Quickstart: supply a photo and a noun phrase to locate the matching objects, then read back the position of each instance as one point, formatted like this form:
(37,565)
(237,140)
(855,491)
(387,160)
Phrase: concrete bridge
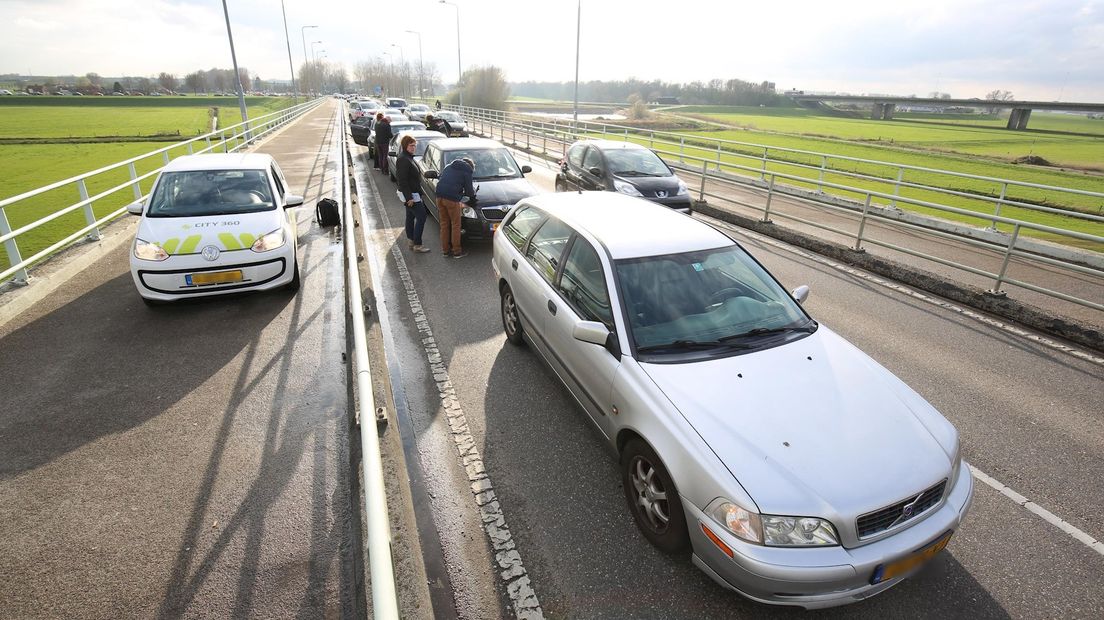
(882,108)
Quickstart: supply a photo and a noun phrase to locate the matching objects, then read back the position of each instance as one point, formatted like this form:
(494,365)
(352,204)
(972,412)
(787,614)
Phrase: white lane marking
(513,573)
(904,290)
(1046,515)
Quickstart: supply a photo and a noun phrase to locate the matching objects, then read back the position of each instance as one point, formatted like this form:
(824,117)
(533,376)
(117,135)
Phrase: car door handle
(552,307)
(513,264)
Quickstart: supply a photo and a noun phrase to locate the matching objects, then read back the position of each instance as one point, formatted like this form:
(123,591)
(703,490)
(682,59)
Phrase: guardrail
(384,598)
(552,137)
(227,140)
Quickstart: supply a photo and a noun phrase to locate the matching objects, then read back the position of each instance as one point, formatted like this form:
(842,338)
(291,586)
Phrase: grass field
(1062,139)
(29,166)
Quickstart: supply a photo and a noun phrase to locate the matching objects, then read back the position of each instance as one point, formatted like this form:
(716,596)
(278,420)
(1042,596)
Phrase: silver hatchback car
(796,469)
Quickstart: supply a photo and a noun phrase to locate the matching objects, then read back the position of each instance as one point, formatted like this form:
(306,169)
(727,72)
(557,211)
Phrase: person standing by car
(436,123)
(375,162)
(406,173)
(454,183)
(438,104)
(383,138)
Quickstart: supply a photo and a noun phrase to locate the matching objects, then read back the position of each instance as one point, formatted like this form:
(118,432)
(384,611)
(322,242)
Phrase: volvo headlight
(773,530)
(626,188)
(468,212)
(269,241)
(146,250)
(683,190)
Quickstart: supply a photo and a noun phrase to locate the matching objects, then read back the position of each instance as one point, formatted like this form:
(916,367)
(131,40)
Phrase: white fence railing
(109,181)
(830,185)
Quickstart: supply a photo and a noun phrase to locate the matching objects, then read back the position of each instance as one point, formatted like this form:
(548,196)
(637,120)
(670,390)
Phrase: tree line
(715,92)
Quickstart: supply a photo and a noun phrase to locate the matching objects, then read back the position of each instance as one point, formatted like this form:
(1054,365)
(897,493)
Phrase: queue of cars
(790,466)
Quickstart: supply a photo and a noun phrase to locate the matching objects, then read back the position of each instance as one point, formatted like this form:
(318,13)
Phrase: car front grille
(881,520)
(495,213)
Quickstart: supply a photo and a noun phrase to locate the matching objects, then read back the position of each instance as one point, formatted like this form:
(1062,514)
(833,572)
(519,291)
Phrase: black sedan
(498,180)
(625,167)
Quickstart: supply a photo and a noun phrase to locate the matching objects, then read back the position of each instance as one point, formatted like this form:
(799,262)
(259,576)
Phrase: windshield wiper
(765,331)
(633,173)
(690,345)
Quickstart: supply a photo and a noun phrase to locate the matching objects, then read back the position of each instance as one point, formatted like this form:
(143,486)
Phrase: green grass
(1062,139)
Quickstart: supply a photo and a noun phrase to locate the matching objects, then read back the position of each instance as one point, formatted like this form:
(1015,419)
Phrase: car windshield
(705,302)
(396,103)
(211,192)
(636,162)
(489,163)
(451,117)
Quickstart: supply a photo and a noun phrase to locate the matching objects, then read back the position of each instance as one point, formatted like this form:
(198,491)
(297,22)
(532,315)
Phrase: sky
(1050,50)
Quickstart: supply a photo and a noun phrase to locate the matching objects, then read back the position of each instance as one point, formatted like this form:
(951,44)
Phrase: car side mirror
(596,171)
(430,174)
(292,200)
(135,208)
(592,332)
(801,293)
(526,169)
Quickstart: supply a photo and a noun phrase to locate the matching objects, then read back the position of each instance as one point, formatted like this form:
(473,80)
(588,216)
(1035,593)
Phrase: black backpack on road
(326,213)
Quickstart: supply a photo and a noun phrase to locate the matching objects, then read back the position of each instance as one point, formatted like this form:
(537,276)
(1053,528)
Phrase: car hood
(189,235)
(503,192)
(813,427)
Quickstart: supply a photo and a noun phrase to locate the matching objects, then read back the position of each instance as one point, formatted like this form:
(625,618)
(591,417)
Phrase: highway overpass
(882,108)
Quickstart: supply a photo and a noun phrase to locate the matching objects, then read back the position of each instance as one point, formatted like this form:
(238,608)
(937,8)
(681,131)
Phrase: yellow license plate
(217,277)
(885,572)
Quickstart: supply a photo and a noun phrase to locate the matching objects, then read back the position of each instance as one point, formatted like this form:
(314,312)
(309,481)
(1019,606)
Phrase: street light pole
(402,67)
(237,75)
(302,35)
(421,70)
(291,66)
(578,30)
(459,66)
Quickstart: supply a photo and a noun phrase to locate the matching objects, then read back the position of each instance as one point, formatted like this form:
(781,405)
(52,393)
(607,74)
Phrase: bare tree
(167,81)
(998,95)
(195,82)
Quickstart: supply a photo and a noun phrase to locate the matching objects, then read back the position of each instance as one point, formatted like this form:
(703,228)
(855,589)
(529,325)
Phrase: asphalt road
(184,461)
(1030,416)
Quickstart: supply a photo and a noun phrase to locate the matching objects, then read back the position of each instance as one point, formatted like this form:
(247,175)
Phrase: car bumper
(678,203)
(820,577)
(476,228)
(168,280)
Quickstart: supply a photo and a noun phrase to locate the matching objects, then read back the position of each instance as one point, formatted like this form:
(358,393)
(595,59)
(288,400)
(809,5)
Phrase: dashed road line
(1003,489)
(511,568)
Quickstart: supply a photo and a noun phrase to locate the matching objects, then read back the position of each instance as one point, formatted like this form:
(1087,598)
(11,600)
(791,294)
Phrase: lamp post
(421,71)
(459,69)
(402,67)
(578,30)
(302,35)
(237,75)
(291,66)
(390,73)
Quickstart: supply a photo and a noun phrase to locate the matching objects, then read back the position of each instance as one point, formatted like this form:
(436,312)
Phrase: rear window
(211,192)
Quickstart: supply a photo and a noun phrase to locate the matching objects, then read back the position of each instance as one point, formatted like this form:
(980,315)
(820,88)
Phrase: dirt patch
(1033,160)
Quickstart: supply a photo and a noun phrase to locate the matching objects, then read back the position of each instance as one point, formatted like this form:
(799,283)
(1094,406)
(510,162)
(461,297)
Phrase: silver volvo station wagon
(794,468)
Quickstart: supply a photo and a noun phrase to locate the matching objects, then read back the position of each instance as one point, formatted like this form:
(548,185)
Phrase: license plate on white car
(216,277)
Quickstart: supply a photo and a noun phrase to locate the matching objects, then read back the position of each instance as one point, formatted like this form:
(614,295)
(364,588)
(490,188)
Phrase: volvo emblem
(661,194)
(210,253)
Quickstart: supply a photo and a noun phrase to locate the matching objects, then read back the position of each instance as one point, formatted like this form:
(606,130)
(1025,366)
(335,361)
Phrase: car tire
(511,320)
(653,498)
(293,286)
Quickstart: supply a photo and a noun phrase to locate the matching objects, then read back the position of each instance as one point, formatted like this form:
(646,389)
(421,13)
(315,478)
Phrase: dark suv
(624,167)
(499,182)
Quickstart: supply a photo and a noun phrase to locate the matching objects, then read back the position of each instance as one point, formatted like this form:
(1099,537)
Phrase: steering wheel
(721,295)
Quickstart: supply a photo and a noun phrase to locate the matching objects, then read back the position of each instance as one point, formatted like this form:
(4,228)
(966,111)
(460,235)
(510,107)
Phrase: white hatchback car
(795,468)
(215,224)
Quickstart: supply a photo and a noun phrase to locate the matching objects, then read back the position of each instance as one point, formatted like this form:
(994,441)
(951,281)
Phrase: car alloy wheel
(511,322)
(653,498)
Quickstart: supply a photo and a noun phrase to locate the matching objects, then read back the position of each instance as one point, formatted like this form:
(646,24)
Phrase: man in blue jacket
(454,183)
